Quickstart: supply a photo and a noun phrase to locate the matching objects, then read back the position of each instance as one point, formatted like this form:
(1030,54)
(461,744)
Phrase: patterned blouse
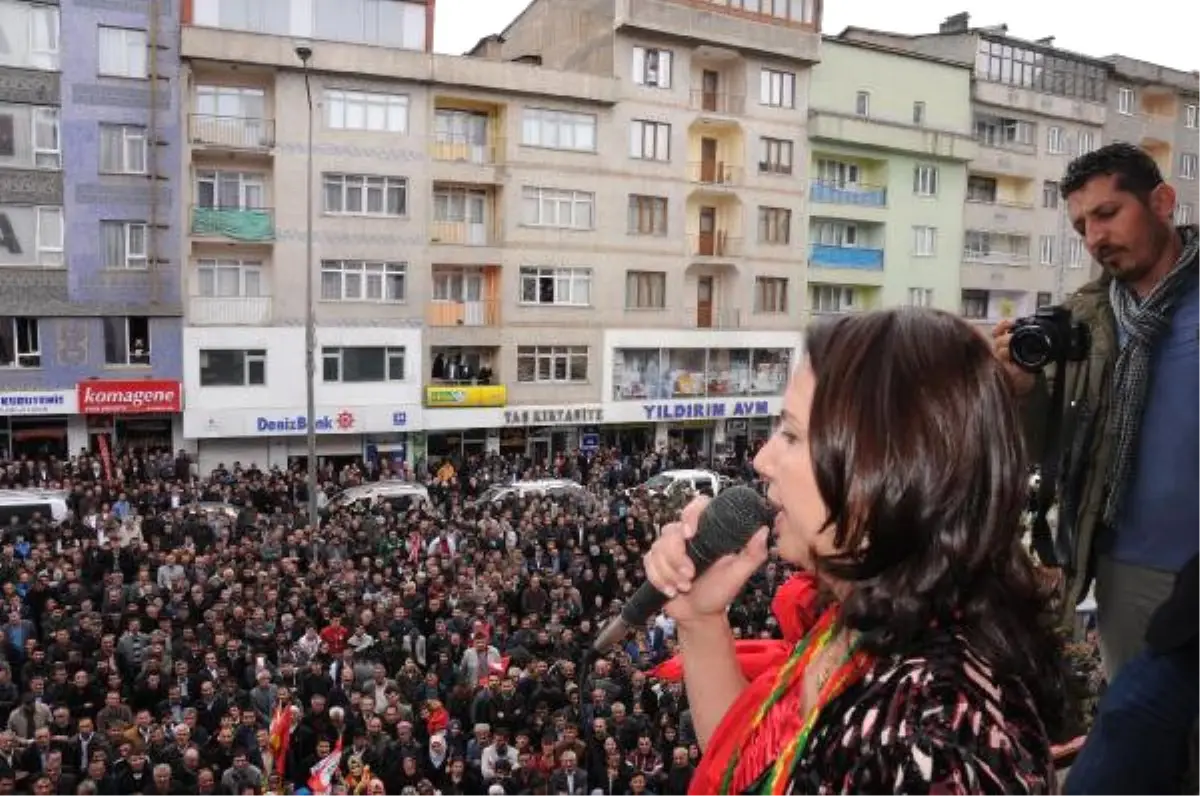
(936,723)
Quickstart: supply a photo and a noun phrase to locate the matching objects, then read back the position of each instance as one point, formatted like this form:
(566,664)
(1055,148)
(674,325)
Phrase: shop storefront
(131,414)
(36,423)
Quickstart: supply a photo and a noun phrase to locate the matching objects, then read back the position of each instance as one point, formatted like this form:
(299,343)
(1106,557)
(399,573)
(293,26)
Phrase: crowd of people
(190,633)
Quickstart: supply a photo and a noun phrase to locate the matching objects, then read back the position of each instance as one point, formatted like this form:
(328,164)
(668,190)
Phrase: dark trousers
(1141,741)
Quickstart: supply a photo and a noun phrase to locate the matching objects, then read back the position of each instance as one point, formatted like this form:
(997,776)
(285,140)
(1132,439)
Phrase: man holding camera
(1127,493)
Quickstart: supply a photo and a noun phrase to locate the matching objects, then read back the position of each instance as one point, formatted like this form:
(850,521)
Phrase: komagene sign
(125,397)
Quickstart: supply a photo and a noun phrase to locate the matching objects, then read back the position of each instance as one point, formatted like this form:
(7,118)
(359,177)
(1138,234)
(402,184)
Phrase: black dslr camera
(1049,335)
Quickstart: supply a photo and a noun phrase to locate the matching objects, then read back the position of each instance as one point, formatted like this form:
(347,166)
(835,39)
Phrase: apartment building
(1155,107)
(1035,107)
(528,248)
(890,138)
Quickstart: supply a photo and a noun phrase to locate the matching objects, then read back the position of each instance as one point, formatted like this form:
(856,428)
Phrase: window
(1075,256)
(918,113)
(1054,140)
(1046,250)
(230,102)
(1185,213)
(1086,142)
(228,278)
(49,231)
(126,341)
(124,244)
(20,343)
(363,195)
(564,287)
(981,189)
(351,365)
(47,141)
(775,156)
(652,67)
(836,233)
(1125,101)
(837,173)
(356,280)
(647,215)
(552,364)
(458,284)
(1043,299)
(975,304)
(831,298)
(1187,166)
(1050,194)
(361,110)
(122,149)
(551,207)
(232,368)
(645,290)
(998,61)
(770,294)
(123,52)
(29,35)
(1004,132)
(1189,117)
(230,190)
(649,140)
(774,225)
(862,103)
(920,297)
(925,180)
(777,89)
(558,130)
(924,241)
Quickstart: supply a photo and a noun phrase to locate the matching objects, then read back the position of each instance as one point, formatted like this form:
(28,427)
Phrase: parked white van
(24,503)
(671,482)
(554,487)
(402,495)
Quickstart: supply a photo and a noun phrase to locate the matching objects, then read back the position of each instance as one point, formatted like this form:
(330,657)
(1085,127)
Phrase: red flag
(281,737)
(501,668)
(320,780)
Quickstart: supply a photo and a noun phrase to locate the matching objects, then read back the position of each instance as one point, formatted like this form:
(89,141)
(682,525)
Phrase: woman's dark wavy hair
(918,452)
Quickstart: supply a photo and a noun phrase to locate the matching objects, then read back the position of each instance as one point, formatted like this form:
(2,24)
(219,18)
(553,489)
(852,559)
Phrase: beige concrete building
(491,232)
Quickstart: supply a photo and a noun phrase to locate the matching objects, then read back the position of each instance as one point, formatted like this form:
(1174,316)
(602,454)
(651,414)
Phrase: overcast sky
(1161,31)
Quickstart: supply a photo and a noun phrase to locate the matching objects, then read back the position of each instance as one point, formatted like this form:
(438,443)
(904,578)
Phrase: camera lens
(1032,347)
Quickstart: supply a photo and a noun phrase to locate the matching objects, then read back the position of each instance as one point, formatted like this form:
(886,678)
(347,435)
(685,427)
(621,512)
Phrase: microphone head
(729,521)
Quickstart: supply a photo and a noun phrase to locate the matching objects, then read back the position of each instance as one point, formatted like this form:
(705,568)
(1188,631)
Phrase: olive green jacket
(1087,450)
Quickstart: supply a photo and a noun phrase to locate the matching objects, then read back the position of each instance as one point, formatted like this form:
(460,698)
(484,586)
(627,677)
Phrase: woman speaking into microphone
(899,477)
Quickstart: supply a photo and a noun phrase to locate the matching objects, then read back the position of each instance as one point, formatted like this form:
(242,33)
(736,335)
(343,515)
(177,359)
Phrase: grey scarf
(1143,323)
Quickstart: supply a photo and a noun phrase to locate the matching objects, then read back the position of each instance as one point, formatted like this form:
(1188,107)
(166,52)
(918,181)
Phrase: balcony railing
(459,233)
(714,172)
(229,310)
(996,258)
(702,317)
(717,102)
(235,132)
(485,312)
(246,224)
(835,193)
(451,148)
(850,257)
(714,244)
(1003,204)
(994,142)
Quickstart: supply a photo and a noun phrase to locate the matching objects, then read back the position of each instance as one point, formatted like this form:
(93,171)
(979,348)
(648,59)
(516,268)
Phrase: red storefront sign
(135,396)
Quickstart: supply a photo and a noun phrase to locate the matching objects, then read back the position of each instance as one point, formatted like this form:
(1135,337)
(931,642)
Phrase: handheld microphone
(726,526)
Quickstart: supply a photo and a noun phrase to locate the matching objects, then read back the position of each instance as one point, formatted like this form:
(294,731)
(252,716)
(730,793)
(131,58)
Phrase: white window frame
(771,295)
(549,205)
(540,125)
(1187,166)
(650,140)
(250,356)
(832,298)
(47,155)
(1050,196)
(357,110)
(28,357)
(573,277)
(925,180)
(44,54)
(1075,253)
(862,104)
(777,88)
(1185,213)
(458,284)
(130,56)
(248,182)
(552,356)
(840,234)
(134,147)
(391,354)
(1046,250)
(1190,117)
(924,241)
(1087,141)
(364,185)
(920,297)
(365,274)
(1125,99)
(249,273)
(50,247)
(208,94)
(838,173)
(652,67)
(138,261)
(1056,141)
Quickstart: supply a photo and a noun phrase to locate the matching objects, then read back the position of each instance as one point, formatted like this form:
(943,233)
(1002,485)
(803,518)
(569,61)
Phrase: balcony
(231,132)
(714,244)
(715,173)
(889,136)
(709,317)
(1007,259)
(720,103)
(846,257)
(245,225)
(229,311)
(452,148)
(459,233)
(982,213)
(834,193)
(457,314)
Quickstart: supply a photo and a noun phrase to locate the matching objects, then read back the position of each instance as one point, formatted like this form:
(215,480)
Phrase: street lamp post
(310,321)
